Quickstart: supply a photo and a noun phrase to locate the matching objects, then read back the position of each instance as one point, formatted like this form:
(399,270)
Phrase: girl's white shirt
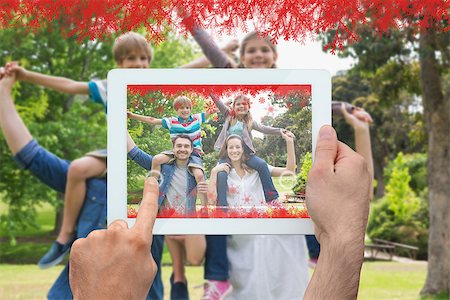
(263,266)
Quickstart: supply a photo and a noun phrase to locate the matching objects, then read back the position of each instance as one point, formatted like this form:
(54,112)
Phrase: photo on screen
(233,140)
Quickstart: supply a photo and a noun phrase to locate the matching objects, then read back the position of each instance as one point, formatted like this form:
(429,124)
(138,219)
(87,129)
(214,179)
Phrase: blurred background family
(231,173)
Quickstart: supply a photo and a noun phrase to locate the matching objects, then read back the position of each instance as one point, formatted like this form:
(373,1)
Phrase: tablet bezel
(120,79)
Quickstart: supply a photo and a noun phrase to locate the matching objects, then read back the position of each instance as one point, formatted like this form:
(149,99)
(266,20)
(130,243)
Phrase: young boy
(130,50)
(183,123)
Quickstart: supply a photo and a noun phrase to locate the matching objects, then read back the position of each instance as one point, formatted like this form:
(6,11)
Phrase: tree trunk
(437,120)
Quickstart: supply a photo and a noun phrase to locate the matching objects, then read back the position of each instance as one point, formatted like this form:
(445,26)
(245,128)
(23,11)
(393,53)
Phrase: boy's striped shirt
(191,127)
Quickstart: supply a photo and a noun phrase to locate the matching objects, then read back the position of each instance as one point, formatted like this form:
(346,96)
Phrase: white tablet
(294,98)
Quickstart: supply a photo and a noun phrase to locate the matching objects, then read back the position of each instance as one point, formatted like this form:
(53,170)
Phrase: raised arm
(360,120)
(145,119)
(220,105)
(137,155)
(60,84)
(213,53)
(203,62)
(290,163)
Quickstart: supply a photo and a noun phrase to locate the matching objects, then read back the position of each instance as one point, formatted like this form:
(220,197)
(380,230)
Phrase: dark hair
(183,136)
(223,151)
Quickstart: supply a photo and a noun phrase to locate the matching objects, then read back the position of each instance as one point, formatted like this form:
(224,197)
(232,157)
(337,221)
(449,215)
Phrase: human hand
(13,67)
(116,263)
(6,81)
(358,119)
(231,46)
(202,187)
(287,135)
(130,115)
(337,191)
(226,167)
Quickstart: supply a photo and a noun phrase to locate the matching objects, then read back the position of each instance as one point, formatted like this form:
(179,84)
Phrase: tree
(383,64)
(436,103)
(69,126)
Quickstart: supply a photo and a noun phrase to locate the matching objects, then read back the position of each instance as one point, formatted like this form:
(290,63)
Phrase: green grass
(379,280)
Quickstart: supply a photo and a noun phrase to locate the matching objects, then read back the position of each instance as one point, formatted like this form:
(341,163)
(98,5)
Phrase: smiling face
(184,111)
(182,148)
(235,149)
(135,60)
(257,53)
(241,106)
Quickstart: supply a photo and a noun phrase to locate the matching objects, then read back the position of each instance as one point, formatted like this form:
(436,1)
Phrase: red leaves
(289,19)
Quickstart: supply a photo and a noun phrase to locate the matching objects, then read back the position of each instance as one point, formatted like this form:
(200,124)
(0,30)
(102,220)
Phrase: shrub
(401,216)
(300,184)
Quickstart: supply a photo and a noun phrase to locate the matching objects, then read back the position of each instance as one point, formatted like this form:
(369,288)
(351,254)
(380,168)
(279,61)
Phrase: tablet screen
(235,140)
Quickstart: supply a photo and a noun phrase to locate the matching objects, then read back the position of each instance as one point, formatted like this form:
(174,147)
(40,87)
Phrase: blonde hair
(255,35)
(182,100)
(247,120)
(130,42)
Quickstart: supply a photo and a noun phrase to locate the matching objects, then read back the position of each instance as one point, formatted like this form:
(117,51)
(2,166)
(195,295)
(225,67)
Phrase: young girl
(238,121)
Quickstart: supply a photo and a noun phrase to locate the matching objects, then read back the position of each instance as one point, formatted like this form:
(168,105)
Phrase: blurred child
(130,50)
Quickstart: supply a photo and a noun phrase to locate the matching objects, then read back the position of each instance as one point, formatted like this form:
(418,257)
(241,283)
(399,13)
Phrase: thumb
(326,149)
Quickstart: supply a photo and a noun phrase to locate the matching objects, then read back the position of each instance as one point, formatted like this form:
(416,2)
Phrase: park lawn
(379,280)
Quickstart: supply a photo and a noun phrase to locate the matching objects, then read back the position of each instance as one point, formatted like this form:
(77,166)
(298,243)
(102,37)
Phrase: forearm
(145,119)
(213,53)
(338,269)
(60,84)
(212,187)
(363,146)
(220,105)
(290,164)
(199,63)
(140,157)
(266,129)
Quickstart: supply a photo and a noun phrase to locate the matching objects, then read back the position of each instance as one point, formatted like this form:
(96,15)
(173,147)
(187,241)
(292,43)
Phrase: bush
(401,216)
(300,184)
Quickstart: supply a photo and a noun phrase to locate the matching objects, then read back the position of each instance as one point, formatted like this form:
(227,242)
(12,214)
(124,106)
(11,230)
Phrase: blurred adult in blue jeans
(52,171)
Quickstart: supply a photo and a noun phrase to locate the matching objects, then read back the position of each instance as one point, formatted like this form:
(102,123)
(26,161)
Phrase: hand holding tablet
(253,91)
(115,263)
(105,263)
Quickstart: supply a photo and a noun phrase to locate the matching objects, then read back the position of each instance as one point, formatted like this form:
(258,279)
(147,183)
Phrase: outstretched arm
(60,84)
(290,163)
(145,119)
(338,175)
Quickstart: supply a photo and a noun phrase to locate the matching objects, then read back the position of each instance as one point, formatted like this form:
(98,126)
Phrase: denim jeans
(313,246)
(52,171)
(256,163)
(216,260)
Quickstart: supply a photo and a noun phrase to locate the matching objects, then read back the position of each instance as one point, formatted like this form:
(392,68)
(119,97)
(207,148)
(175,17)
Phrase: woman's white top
(263,266)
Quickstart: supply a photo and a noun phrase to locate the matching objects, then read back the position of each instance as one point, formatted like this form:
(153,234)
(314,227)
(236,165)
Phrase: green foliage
(296,118)
(417,166)
(400,216)
(67,125)
(302,177)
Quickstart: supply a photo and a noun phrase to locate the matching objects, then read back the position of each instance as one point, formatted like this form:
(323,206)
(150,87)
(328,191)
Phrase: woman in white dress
(261,266)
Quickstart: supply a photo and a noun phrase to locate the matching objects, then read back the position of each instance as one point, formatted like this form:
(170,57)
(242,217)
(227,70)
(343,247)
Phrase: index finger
(148,209)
